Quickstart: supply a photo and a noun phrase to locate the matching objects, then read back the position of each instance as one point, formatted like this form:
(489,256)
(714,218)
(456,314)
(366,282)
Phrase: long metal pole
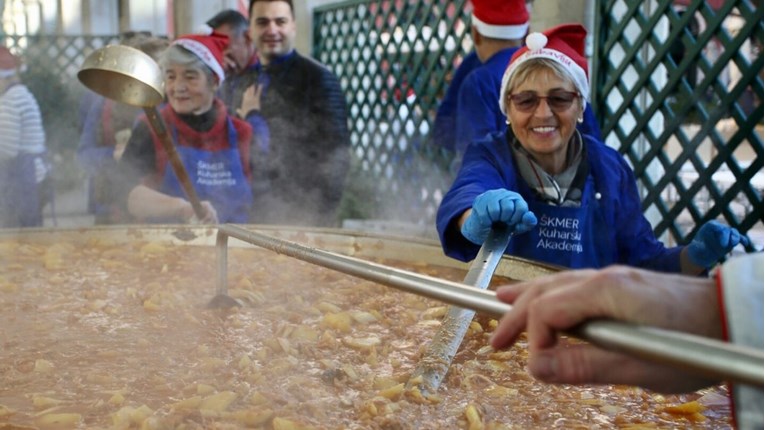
(707,357)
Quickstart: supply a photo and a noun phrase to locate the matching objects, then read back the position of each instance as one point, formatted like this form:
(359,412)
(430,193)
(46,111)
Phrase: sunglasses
(557,100)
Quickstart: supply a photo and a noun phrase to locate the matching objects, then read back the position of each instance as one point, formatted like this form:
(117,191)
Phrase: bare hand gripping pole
(695,354)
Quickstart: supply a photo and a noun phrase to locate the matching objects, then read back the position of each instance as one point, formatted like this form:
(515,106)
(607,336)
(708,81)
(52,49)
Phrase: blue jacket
(478,109)
(488,164)
(445,124)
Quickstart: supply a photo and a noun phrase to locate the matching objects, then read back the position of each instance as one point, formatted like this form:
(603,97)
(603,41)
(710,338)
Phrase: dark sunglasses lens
(561,101)
(525,102)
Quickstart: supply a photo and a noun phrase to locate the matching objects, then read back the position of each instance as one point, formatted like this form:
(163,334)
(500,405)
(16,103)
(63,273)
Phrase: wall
(99,17)
(548,13)
(185,16)
(190,15)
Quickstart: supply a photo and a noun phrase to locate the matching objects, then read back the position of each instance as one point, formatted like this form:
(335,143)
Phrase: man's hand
(250,100)
(547,306)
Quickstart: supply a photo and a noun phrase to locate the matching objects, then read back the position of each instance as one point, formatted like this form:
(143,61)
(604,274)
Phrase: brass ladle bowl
(124,74)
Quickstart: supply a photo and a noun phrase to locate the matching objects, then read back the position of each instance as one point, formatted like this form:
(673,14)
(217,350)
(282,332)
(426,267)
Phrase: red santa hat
(9,63)
(563,44)
(501,19)
(208,47)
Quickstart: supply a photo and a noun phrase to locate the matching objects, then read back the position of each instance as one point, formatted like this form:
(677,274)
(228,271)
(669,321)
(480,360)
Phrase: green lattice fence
(64,54)
(393,59)
(679,93)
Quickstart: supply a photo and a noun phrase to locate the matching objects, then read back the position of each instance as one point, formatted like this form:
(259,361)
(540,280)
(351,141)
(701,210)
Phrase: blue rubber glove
(497,206)
(713,242)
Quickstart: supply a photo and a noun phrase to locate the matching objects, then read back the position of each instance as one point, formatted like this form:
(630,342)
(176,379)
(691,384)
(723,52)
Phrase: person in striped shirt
(23,163)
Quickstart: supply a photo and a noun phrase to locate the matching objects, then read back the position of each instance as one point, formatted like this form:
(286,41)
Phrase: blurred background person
(240,54)
(445,123)
(569,199)
(241,64)
(305,146)
(104,135)
(213,146)
(25,184)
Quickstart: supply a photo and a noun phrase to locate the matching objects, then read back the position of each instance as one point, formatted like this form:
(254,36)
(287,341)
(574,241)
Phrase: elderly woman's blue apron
(217,176)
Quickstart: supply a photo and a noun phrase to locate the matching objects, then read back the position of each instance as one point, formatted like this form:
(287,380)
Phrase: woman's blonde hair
(534,65)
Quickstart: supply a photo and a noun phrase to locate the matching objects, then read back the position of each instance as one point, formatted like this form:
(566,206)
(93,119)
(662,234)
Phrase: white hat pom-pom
(205,30)
(536,41)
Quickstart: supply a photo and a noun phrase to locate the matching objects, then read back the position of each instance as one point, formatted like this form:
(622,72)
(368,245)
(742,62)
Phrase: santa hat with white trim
(501,19)
(9,63)
(208,47)
(563,44)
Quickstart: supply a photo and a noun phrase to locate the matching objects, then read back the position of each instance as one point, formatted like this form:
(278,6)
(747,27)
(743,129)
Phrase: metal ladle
(130,76)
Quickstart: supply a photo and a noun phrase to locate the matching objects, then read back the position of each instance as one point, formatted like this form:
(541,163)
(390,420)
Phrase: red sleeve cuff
(725,334)
(721,305)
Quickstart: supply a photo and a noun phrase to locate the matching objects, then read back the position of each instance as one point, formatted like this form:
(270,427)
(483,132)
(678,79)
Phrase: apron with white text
(568,236)
(217,176)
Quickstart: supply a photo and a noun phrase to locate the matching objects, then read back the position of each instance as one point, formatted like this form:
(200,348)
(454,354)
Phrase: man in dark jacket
(299,116)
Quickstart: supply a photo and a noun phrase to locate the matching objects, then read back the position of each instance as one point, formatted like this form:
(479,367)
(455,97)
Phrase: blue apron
(217,176)
(568,236)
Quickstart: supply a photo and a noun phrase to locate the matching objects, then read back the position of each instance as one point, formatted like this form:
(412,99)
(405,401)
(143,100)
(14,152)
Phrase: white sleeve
(32,131)
(10,126)
(741,284)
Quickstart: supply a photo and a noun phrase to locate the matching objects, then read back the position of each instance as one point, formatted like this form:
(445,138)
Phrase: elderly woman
(214,147)
(569,199)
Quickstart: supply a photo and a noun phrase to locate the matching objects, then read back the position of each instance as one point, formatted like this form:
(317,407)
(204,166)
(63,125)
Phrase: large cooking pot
(107,327)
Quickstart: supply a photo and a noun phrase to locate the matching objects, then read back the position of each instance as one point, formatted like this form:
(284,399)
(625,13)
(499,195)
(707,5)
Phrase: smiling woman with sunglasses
(569,199)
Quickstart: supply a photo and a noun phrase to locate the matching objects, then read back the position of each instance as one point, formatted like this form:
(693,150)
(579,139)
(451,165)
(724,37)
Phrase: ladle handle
(158,125)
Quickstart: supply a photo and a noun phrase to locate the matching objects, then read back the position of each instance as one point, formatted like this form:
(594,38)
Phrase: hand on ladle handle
(211,215)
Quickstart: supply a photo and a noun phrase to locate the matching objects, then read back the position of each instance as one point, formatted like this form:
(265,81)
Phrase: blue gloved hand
(497,206)
(713,242)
